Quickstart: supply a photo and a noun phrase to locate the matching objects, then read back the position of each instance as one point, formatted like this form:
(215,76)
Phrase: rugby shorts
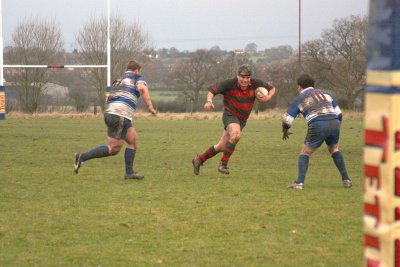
(320,131)
(117,126)
(228,118)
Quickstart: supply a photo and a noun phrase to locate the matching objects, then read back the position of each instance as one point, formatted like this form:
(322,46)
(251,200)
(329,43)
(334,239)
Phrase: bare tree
(203,67)
(283,76)
(34,42)
(226,66)
(128,41)
(193,74)
(339,58)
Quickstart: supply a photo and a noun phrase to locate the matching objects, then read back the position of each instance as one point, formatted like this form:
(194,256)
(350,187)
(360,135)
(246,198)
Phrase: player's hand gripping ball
(261,91)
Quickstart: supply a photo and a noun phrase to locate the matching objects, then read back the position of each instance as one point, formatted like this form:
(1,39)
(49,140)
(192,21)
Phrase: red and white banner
(381,182)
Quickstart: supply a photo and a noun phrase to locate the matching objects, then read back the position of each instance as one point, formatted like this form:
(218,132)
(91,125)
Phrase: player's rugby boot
(134,175)
(77,162)
(347,183)
(196,165)
(223,169)
(296,185)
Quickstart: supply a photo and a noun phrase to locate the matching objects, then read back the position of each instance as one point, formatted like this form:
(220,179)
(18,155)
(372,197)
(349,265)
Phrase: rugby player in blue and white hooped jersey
(323,116)
(121,105)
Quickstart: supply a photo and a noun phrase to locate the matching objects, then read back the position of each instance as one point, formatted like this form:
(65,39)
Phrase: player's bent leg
(228,151)
(130,173)
(132,138)
(302,169)
(219,147)
(303,160)
(338,159)
(97,152)
(114,145)
(233,135)
(199,160)
(234,132)
(130,152)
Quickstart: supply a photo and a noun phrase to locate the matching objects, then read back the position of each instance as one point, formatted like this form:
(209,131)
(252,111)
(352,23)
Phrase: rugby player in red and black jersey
(239,97)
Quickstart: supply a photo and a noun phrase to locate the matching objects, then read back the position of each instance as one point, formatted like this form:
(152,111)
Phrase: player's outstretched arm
(287,122)
(209,105)
(144,91)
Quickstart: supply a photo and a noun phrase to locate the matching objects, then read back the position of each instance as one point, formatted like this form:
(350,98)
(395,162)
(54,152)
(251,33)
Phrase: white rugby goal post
(2,66)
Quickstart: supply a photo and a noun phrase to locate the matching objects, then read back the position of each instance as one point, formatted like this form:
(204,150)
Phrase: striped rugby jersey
(313,104)
(237,101)
(124,95)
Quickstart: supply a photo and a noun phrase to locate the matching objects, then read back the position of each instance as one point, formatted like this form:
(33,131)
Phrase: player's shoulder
(325,92)
(228,82)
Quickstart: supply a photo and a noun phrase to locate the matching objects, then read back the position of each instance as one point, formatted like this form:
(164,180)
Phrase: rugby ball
(261,91)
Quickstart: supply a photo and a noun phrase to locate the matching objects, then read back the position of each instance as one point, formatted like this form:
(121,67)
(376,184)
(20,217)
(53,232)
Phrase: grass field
(51,217)
(164,95)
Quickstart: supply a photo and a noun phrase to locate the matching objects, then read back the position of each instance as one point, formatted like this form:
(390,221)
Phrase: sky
(192,24)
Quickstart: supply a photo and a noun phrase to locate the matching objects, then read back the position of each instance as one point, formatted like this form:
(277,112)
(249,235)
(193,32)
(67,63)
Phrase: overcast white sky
(193,24)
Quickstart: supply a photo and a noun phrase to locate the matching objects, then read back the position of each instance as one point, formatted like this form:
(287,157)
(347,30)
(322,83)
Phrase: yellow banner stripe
(2,102)
(383,77)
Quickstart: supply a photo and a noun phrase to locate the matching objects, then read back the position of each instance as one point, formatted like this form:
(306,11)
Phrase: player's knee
(113,150)
(333,149)
(306,150)
(235,137)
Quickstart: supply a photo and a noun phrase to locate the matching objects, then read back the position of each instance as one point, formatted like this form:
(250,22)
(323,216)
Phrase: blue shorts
(117,126)
(327,131)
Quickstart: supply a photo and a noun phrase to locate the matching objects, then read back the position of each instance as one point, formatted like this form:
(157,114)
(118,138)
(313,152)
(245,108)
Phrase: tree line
(337,60)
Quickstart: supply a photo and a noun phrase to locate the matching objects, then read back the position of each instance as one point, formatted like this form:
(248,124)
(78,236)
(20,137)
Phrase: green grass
(51,217)
(164,95)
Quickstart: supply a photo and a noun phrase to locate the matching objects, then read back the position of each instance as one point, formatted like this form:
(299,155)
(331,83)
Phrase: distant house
(239,52)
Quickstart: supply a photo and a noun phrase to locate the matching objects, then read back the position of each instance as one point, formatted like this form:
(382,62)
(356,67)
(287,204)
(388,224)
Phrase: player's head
(244,75)
(244,70)
(305,81)
(133,65)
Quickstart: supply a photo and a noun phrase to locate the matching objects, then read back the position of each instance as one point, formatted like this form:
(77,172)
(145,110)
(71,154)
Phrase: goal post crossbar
(55,66)
(2,66)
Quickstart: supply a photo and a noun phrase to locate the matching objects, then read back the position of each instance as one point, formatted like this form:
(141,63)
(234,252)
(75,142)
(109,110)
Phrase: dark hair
(133,65)
(244,70)
(305,81)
